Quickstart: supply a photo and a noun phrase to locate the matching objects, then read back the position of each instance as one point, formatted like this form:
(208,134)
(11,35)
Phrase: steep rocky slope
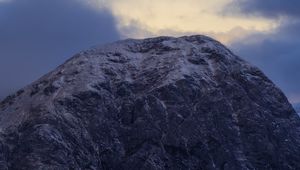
(159,103)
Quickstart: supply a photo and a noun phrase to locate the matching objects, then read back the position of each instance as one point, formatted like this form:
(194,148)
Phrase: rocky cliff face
(160,103)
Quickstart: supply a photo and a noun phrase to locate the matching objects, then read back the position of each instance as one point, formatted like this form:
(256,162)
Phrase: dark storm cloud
(277,53)
(269,8)
(38,35)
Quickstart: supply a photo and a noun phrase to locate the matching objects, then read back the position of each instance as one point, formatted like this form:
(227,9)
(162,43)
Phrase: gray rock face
(160,103)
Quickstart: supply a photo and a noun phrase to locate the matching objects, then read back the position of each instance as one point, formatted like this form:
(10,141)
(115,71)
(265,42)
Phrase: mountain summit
(158,103)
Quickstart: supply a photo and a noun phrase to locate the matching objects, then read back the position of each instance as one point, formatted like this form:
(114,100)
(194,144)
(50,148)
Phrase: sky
(38,35)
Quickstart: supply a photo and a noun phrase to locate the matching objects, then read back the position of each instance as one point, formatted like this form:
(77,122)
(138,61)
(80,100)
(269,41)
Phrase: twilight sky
(38,35)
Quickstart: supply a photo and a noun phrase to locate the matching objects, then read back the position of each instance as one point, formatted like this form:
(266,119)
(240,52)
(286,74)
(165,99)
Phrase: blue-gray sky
(277,53)
(38,35)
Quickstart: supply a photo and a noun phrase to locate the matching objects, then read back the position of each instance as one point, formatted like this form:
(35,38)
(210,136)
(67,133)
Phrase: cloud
(138,30)
(179,17)
(38,35)
(277,54)
(268,8)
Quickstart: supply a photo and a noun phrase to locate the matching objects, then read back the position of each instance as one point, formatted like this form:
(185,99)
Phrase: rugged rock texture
(160,103)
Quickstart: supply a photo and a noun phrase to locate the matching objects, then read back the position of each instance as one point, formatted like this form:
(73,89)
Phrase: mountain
(297,107)
(158,103)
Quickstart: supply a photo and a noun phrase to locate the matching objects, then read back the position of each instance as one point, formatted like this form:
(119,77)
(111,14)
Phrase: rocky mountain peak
(157,103)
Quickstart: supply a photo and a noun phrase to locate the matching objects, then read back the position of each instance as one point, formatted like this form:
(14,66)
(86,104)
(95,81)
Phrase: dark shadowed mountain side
(159,103)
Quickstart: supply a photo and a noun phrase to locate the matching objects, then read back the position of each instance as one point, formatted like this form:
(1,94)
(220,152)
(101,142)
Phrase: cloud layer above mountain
(145,18)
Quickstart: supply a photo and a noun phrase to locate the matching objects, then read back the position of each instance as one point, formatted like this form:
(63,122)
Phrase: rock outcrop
(159,103)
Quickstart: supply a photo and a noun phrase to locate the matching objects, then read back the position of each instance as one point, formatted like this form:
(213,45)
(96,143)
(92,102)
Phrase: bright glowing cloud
(153,17)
